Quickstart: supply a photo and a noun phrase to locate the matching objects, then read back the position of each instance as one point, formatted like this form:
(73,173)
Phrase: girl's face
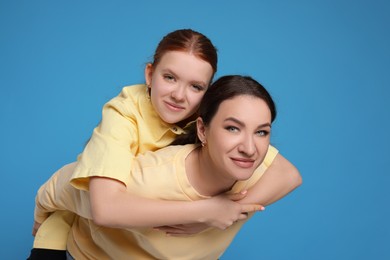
(237,138)
(178,84)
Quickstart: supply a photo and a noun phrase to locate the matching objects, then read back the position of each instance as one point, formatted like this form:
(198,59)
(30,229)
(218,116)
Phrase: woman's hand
(35,228)
(183,230)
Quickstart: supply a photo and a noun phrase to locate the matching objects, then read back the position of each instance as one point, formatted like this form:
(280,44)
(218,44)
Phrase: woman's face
(238,137)
(178,84)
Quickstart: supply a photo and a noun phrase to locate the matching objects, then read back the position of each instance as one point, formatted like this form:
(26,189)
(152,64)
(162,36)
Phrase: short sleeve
(270,156)
(112,147)
(56,194)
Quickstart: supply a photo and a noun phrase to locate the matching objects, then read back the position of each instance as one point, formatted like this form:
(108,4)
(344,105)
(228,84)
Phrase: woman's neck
(204,176)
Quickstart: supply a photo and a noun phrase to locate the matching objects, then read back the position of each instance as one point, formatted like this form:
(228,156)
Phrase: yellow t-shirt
(159,175)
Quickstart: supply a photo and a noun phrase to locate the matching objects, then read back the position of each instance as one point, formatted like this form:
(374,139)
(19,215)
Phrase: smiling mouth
(243,163)
(174,107)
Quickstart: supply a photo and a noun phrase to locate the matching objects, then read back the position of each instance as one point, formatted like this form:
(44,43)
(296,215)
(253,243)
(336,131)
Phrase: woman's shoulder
(167,154)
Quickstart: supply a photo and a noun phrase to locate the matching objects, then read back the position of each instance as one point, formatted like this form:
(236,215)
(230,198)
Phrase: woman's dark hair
(190,41)
(226,87)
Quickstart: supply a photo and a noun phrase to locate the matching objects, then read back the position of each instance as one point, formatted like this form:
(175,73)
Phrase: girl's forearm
(113,206)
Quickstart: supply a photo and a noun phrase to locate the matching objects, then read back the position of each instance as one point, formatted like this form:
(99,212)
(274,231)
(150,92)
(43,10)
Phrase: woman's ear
(201,130)
(148,74)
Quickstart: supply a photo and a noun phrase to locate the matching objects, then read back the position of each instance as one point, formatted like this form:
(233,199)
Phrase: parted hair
(187,40)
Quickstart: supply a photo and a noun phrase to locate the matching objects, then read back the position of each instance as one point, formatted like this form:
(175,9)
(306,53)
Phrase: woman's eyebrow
(235,120)
(242,124)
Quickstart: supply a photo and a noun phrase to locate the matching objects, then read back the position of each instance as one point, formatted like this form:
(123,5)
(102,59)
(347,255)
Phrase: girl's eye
(169,77)
(232,129)
(262,133)
(198,88)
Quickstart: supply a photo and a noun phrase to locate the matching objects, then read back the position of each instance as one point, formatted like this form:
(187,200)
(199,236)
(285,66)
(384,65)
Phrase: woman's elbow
(295,178)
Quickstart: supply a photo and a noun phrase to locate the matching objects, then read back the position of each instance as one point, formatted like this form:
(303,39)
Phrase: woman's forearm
(279,180)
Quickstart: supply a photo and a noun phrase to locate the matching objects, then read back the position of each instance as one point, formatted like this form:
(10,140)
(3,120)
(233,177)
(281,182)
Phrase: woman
(233,127)
(137,121)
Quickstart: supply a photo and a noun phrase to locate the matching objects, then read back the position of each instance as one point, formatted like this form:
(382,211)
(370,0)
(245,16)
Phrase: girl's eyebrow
(167,70)
(242,124)
(195,82)
(201,83)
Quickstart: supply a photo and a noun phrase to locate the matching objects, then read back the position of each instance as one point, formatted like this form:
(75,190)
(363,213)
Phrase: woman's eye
(262,133)
(232,129)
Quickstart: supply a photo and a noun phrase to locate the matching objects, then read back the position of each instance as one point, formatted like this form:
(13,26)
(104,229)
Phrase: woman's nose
(247,146)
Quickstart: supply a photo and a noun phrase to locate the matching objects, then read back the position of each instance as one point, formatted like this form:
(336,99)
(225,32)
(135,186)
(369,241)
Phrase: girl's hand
(246,207)
(220,212)
(224,210)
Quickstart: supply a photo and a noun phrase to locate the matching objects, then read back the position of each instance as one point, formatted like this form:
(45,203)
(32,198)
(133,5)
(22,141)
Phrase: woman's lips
(243,163)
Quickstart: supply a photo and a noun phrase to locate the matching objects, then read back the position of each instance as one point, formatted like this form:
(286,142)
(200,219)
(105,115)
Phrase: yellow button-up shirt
(129,126)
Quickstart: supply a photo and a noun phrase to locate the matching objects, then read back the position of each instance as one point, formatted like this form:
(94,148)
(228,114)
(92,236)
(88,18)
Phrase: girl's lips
(174,107)
(243,163)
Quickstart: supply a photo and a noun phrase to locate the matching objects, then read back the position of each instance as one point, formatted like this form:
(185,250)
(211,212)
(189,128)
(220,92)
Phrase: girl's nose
(178,93)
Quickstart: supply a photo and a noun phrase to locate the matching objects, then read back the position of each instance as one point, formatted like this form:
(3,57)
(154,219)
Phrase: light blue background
(326,63)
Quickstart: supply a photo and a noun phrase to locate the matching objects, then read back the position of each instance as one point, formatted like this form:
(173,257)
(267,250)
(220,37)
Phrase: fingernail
(244,192)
